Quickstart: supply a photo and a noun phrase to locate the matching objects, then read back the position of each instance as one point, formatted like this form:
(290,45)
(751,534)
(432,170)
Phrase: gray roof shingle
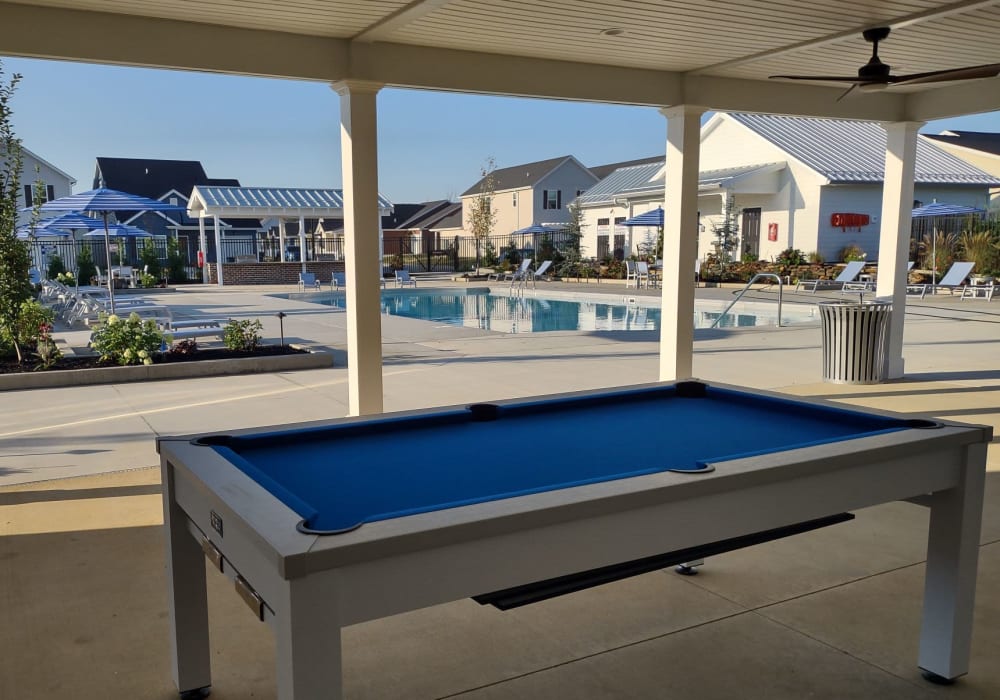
(517,176)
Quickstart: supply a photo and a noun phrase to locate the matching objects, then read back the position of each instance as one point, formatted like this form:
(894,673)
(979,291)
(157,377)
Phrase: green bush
(176,262)
(128,342)
(815,258)
(33,321)
(852,253)
(151,261)
(56,267)
(147,281)
(242,335)
(791,256)
(85,268)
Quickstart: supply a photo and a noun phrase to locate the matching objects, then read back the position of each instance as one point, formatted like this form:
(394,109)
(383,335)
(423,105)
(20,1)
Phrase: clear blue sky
(284,133)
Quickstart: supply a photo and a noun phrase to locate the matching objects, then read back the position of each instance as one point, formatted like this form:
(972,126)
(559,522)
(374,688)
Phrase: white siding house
(811,184)
(56,183)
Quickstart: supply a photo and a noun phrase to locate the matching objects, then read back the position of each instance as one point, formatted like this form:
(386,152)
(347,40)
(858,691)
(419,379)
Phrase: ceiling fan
(875,75)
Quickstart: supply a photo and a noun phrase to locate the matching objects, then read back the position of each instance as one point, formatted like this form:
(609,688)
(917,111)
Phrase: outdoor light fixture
(281,326)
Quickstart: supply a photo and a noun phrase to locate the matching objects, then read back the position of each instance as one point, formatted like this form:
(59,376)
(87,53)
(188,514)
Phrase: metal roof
(648,179)
(270,201)
(846,151)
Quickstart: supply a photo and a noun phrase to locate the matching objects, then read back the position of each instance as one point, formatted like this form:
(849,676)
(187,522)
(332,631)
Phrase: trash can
(855,336)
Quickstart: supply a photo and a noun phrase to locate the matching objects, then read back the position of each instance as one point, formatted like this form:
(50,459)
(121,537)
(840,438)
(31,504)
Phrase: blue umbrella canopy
(27,231)
(104,202)
(539,228)
(120,231)
(649,218)
(62,225)
(941,209)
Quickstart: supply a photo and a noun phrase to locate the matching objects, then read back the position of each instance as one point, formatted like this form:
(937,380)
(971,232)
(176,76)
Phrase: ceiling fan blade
(827,78)
(847,92)
(941,76)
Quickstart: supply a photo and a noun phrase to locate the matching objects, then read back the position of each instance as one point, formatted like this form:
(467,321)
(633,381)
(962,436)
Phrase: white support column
(680,241)
(203,249)
(218,249)
(894,234)
(281,240)
(359,157)
(302,242)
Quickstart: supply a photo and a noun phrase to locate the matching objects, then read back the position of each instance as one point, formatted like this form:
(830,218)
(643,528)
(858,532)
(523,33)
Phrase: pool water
(500,311)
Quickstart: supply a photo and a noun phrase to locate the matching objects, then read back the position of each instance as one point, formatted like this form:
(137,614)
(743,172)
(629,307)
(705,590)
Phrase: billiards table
(328,524)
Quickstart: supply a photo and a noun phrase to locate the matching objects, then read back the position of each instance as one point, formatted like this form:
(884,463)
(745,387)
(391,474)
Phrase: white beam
(359,154)
(894,234)
(203,249)
(218,250)
(302,242)
(968,97)
(405,15)
(680,241)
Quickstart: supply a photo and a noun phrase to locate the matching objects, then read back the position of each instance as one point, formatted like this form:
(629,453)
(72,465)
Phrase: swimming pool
(506,313)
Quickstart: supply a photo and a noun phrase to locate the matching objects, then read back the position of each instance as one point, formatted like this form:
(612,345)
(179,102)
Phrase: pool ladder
(760,275)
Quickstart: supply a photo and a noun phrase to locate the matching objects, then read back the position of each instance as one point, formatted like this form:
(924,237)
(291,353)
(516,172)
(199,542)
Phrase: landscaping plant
(243,336)
(129,341)
(86,269)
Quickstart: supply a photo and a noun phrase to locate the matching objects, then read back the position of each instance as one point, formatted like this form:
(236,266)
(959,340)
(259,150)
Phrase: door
(750,228)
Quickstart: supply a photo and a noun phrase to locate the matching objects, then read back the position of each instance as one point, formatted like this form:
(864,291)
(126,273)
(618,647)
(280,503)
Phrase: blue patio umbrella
(541,228)
(104,201)
(942,210)
(649,218)
(120,231)
(27,231)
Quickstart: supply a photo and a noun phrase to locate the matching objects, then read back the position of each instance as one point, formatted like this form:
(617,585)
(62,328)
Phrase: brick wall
(272,272)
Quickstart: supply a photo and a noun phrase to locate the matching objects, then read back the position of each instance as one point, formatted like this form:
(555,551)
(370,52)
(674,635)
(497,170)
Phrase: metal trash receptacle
(855,339)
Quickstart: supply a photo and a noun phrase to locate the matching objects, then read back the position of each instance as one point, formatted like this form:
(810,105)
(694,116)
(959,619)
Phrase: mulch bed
(8,365)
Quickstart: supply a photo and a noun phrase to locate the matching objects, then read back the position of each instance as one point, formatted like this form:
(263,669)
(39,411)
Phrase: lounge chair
(520,273)
(403,279)
(542,270)
(308,279)
(848,274)
(974,291)
(338,280)
(955,277)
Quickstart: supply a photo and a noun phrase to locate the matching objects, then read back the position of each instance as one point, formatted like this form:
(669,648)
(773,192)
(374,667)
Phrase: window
(551,199)
(514,198)
(29,195)
(603,222)
(173,201)
(579,192)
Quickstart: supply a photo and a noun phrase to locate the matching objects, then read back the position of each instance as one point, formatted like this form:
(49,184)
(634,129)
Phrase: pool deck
(831,614)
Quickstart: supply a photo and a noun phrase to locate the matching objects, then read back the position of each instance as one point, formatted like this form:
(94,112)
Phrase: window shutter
(558,199)
(50,192)
(28,202)
(545,199)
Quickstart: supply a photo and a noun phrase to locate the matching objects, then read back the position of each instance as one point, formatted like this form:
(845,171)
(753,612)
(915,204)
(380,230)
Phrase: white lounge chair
(848,274)
(641,273)
(542,270)
(403,279)
(955,277)
(308,279)
(520,273)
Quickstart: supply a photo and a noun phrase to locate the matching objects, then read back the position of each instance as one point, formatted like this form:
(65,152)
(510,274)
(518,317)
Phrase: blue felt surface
(337,478)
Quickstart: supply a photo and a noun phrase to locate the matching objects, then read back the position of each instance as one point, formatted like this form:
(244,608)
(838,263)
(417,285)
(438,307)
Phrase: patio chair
(848,274)
(308,279)
(403,279)
(542,271)
(974,291)
(955,277)
(339,280)
(631,275)
(641,274)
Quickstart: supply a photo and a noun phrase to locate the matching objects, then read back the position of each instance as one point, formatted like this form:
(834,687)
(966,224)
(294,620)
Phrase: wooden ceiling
(715,53)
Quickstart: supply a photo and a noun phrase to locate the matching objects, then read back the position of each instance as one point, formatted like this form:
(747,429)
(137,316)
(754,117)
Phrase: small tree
(86,270)
(727,232)
(482,216)
(15,261)
(572,251)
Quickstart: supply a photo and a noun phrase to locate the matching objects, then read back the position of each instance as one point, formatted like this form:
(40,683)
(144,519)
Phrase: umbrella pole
(107,252)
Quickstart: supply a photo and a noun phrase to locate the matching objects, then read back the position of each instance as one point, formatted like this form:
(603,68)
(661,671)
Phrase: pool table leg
(187,601)
(950,583)
(307,640)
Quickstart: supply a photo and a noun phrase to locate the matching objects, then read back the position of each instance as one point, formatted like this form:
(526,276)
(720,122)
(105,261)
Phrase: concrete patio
(831,614)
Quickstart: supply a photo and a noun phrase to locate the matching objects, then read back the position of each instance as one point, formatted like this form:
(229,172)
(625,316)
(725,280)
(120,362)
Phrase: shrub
(852,253)
(943,246)
(128,342)
(45,348)
(56,267)
(186,347)
(86,270)
(982,249)
(243,336)
(815,258)
(151,260)
(790,256)
(33,323)
(176,262)
(147,281)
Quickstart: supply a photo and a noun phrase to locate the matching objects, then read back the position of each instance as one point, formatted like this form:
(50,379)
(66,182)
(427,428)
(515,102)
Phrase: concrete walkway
(830,614)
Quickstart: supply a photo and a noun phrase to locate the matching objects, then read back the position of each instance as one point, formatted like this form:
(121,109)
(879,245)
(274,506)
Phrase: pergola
(683,56)
(279,203)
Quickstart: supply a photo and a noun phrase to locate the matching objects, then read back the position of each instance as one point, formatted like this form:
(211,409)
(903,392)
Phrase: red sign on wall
(772,232)
(852,221)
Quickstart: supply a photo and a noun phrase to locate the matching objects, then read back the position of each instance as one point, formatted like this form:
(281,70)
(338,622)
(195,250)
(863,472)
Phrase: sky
(285,133)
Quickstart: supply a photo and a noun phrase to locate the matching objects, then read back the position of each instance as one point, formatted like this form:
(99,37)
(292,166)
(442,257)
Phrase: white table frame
(310,586)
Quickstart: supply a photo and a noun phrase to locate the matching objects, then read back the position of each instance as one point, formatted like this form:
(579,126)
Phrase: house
(530,193)
(980,148)
(811,184)
(416,228)
(55,183)
(172,181)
